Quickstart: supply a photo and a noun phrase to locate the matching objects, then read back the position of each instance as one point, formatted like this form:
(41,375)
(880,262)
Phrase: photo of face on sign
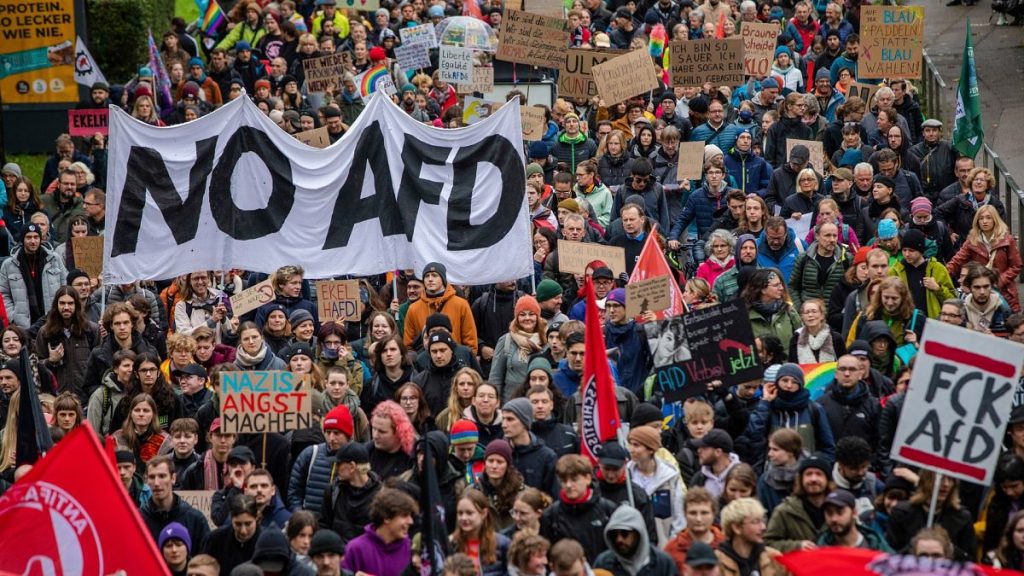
(667,340)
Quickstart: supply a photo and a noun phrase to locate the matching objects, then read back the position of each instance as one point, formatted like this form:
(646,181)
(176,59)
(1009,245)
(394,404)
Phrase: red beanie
(340,419)
(377,54)
(527,303)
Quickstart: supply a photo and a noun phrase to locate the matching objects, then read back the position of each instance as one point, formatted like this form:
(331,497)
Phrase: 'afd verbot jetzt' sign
(264,401)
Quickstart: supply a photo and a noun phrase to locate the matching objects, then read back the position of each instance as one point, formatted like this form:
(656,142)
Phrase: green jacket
(872,540)
(790,525)
(933,269)
(783,324)
(803,281)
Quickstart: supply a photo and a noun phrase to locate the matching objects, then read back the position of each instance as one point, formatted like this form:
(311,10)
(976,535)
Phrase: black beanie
(75,274)
(437,268)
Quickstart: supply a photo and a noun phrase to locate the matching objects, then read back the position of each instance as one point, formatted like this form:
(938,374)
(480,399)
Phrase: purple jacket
(368,553)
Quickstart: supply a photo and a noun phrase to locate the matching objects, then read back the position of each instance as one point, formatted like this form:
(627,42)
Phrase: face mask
(746,115)
(329,353)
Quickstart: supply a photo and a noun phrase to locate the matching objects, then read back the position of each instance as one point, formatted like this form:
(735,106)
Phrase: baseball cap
(191,370)
(715,439)
(612,454)
(242,454)
(701,554)
(603,272)
(841,498)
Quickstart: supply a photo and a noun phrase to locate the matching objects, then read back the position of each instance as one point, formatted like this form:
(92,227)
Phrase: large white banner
(232,190)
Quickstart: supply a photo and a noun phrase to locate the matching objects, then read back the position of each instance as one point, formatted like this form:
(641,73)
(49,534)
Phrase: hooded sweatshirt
(646,560)
(370,554)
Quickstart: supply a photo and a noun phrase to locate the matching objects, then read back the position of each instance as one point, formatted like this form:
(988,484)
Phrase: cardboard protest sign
(575,79)
(691,161)
(647,295)
(338,300)
(86,123)
(758,47)
(257,402)
(573,257)
(553,8)
(412,56)
(863,91)
(625,76)
(527,38)
(253,297)
(455,65)
(88,251)
(476,109)
(422,35)
(323,72)
(817,150)
(959,399)
(891,40)
(720,345)
(201,500)
(483,81)
(694,62)
(535,123)
(317,137)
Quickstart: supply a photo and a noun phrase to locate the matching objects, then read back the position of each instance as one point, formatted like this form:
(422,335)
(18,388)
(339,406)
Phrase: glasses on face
(949,315)
(147,370)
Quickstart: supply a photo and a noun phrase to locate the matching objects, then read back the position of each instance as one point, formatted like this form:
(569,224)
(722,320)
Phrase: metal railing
(932,89)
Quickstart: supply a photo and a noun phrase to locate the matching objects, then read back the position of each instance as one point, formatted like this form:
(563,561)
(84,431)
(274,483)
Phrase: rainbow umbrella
(817,377)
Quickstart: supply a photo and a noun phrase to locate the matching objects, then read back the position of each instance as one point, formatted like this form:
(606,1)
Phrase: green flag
(968,133)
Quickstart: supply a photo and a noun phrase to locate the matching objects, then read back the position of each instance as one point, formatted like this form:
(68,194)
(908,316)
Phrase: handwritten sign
(758,48)
(575,79)
(338,300)
(650,294)
(694,62)
(87,123)
(323,72)
(625,76)
(573,257)
(476,109)
(412,56)
(201,500)
(691,161)
(817,150)
(422,35)
(535,122)
(455,65)
(252,298)
(317,137)
(88,251)
(483,81)
(721,347)
(264,401)
(863,91)
(891,40)
(527,38)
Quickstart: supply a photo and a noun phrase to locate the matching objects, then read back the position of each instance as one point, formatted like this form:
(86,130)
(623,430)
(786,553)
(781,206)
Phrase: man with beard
(64,205)
(847,60)
(986,312)
(66,339)
(99,97)
(828,97)
(549,296)
(629,548)
(843,528)
(409,106)
(833,49)
(744,550)
(796,522)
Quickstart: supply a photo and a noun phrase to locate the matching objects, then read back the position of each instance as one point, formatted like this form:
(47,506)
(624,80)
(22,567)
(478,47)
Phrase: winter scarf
(250,361)
(527,343)
(791,401)
(807,344)
(211,472)
(780,477)
(768,309)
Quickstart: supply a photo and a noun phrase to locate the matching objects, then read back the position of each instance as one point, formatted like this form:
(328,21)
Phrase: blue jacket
(790,252)
(724,137)
(634,353)
(701,207)
(750,171)
(764,420)
(844,28)
(310,478)
(833,103)
(568,381)
(842,62)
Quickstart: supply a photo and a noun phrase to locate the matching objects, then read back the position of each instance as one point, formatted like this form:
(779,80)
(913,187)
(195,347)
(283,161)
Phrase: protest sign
(958,402)
(264,401)
(201,500)
(412,56)
(817,150)
(758,47)
(667,342)
(625,76)
(691,161)
(88,251)
(483,81)
(535,122)
(323,72)
(863,91)
(573,257)
(253,297)
(720,345)
(86,123)
(575,79)
(891,40)
(338,300)
(553,8)
(422,35)
(455,65)
(476,109)
(694,62)
(647,295)
(527,38)
(317,137)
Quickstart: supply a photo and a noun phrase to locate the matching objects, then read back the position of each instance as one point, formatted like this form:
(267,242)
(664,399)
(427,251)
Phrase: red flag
(71,515)
(600,411)
(863,562)
(471,8)
(720,29)
(652,264)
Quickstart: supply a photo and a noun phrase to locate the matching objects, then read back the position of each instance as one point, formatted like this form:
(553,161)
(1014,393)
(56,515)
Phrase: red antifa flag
(600,411)
(71,515)
(863,562)
(652,264)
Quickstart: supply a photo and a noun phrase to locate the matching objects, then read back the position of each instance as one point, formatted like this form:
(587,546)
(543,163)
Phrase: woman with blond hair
(287,283)
(991,244)
(614,161)
(460,397)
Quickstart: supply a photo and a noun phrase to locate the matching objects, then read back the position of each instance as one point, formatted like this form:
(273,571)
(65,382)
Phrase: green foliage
(117,33)
(31,165)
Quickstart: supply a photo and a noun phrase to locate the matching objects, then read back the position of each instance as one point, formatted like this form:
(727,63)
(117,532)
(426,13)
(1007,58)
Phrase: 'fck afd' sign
(955,412)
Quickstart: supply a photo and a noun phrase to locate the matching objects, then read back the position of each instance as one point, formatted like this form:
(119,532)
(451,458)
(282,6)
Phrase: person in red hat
(314,467)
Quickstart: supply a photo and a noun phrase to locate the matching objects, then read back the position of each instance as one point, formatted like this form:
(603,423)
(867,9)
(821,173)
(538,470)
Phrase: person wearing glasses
(701,207)
(641,182)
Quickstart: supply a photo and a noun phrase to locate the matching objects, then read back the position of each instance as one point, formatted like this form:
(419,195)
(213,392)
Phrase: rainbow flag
(210,17)
(818,377)
(162,90)
(373,80)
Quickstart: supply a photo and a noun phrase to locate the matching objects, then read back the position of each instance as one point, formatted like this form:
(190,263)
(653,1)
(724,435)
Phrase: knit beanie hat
(437,268)
(887,229)
(340,419)
(75,274)
(862,255)
(570,204)
(441,337)
(771,374)
(377,54)
(546,290)
(920,205)
(914,239)
(539,363)
(326,540)
(438,320)
(533,168)
(793,371)
(618,296)
(851,157)
(644,414)
(175,531)
(501,448)
(884,180)
(521,409)
(527,303)
(816,463)
(647,437)
(298,316)
(464,432)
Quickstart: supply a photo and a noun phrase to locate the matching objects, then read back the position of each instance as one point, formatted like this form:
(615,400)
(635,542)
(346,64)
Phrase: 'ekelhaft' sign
(233,190)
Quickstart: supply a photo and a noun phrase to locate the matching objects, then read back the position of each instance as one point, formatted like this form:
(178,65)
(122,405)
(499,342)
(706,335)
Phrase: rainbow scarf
(818,377)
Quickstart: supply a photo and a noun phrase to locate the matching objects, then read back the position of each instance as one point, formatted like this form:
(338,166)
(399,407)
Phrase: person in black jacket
(561,438)
(629,547)
(851,408)
(235,543)
(909,517)
(534,460)
(789,127)
(165,506)
(580,512)
(346,503)
(615,485)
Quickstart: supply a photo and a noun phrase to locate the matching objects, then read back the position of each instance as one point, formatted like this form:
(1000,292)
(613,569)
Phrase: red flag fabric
(862,562)
(652,264)
(720,28)
(600,411)
(71,515)
(471,8)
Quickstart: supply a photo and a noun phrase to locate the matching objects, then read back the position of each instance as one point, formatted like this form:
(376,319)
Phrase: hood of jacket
(629,518)
(566,139)
(874,329)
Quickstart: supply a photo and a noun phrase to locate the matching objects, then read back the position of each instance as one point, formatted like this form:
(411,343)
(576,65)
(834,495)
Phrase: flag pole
(935,499)
(621,433)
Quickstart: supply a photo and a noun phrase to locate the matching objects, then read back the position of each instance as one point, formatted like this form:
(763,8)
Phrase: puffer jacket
(614,170)
(724,136)
(785,260)
(803,282)
(701,207)
(536,462)
(311,476)
(451,305)
(1006,261)
(572,151)
(750,171)
(15,292)
(559,437)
